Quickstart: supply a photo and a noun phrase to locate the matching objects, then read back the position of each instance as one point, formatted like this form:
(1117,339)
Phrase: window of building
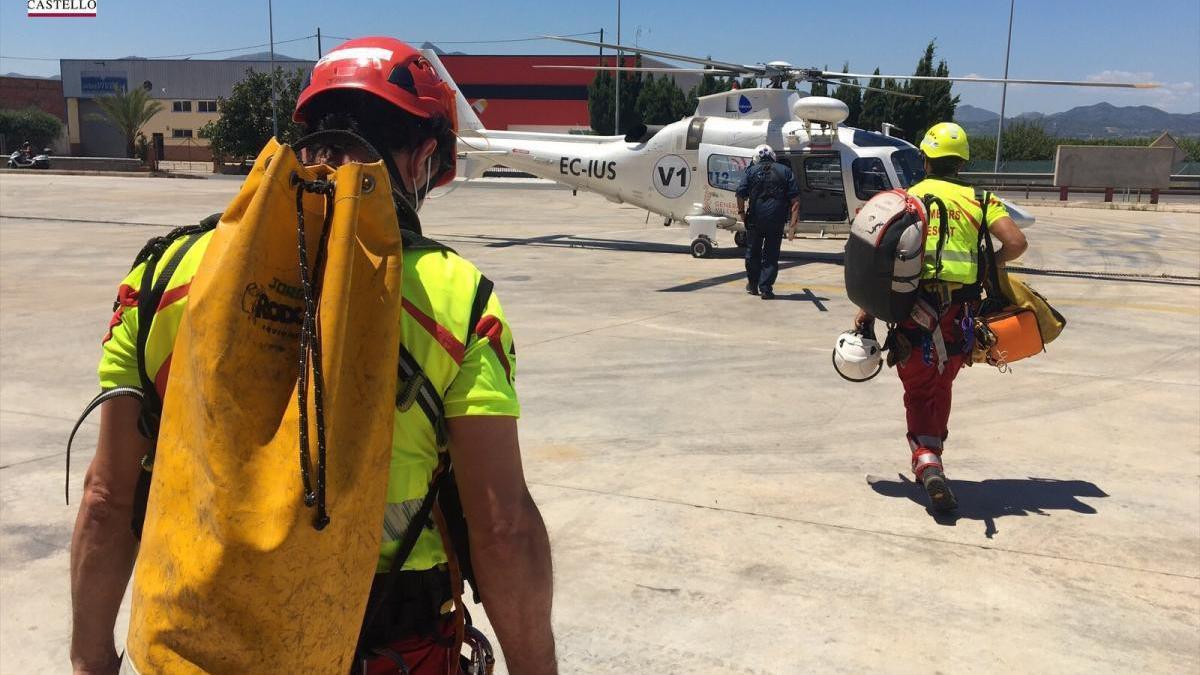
(208,106)
(725,171)
(181,106)
(181,133)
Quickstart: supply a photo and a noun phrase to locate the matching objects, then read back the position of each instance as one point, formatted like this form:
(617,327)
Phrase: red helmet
(389,69)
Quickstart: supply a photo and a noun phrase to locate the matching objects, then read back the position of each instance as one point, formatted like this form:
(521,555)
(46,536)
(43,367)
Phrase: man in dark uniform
(774,200)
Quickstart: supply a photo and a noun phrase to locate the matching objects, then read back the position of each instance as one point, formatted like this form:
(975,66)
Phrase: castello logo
(60,8)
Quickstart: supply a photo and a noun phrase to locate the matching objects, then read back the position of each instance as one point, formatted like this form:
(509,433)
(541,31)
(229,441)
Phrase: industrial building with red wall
(509,92)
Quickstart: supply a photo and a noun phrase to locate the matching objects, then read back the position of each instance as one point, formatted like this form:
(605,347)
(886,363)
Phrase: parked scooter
(22,160)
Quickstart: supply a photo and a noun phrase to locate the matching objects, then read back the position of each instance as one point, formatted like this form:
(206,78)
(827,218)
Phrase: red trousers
(421,656)
(927,392)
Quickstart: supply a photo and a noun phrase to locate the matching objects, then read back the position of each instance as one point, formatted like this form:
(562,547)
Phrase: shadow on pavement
(993,498)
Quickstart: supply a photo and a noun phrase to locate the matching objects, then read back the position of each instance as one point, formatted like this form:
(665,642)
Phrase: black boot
(941,499)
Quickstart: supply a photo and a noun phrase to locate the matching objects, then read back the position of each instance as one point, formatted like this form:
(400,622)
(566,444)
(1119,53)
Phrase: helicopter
(688,171)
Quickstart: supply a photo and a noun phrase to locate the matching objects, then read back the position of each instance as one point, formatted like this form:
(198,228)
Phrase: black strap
(995,294)
(103,396)
(157,245)
(414,386)
(409,540)
(151,413)
(147,307)
(483,295)
(417,241)
(943,230)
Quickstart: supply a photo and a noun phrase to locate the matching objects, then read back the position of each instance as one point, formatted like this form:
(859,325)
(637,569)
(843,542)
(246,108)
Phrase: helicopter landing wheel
(701,247)
(739,239)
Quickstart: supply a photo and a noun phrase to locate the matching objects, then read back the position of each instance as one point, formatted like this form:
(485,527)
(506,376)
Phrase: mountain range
(1102,120)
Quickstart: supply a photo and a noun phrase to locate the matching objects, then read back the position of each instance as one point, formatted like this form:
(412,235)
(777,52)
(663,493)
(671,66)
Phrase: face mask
(418,195)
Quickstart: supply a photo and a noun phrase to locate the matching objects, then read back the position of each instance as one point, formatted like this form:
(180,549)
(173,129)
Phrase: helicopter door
(822,190)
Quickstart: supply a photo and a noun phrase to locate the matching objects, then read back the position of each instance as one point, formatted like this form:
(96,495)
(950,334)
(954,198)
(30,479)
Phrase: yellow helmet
(946,139)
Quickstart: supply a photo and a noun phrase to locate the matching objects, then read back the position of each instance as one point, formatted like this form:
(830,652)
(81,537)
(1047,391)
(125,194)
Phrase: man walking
(774,200)
(452,328)
(950,284)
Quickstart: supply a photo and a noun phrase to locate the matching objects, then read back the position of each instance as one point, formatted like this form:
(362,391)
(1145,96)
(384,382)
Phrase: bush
(1028,141)
(33,125)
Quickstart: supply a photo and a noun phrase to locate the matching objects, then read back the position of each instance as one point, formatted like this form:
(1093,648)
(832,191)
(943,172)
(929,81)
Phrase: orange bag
(1009,336)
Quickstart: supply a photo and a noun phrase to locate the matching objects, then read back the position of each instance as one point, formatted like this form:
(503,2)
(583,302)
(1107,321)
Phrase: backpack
(885,253)
(771,184)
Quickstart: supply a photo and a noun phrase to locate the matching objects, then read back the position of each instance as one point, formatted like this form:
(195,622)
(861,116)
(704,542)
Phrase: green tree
(936,104)
(244,126)
(874,106)
(982,147)
(661,101)
(1023,141)
(748,82)
(600,103)
(708,84)
(892,101)
(36,126)
(819,88)
(851,96)
(631,88)
(128,111)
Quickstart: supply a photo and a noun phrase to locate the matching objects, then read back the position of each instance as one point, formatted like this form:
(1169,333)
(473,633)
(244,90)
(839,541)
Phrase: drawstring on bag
(310,348)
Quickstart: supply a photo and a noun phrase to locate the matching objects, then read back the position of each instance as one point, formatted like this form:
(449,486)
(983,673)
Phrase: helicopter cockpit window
(909,167)
(870,177)
(725,171)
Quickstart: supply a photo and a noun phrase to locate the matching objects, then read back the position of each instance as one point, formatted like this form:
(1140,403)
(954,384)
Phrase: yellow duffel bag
(263,524)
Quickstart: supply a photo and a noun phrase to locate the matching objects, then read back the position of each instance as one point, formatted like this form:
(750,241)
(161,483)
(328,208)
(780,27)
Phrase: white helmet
(762,152)
(857,357)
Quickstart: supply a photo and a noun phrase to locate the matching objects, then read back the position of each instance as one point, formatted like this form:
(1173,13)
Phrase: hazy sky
(1156,40)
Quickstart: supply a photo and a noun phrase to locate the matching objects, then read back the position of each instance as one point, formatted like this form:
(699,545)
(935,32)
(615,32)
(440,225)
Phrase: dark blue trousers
(762,255)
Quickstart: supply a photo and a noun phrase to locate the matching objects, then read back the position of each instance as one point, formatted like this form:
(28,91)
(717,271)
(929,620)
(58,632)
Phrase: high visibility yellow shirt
(960,253)
(473,367)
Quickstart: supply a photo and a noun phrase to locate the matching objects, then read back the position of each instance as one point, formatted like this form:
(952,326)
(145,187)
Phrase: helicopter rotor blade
(998,80)
(721,65)
(863,86)
(645,69)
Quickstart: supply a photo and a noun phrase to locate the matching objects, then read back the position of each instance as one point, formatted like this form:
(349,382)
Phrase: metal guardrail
(1049,177)
(1180,183)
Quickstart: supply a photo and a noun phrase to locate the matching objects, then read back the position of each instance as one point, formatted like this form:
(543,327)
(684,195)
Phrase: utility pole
(319,43)
(1004,88)
(271,30)
(620,74)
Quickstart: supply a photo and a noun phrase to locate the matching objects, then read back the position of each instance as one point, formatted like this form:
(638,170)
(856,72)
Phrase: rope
(1102,275)
(310,349)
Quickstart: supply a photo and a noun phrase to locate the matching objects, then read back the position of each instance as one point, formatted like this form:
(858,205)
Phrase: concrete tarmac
(718,499)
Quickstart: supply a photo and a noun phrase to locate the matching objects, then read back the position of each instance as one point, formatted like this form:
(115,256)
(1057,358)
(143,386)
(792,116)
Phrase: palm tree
(128,111)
